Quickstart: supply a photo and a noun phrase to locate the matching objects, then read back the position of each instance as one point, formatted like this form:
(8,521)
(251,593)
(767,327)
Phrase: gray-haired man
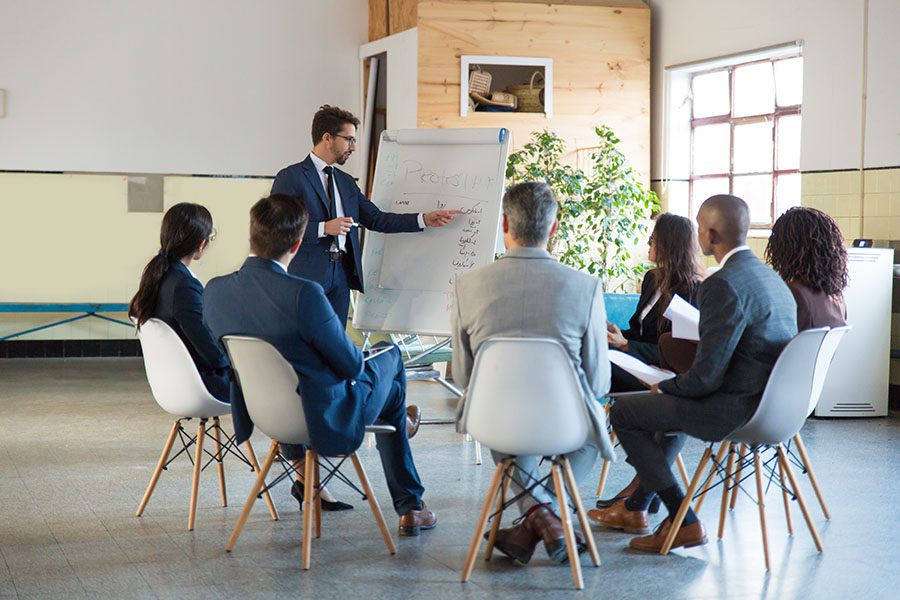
(528,293)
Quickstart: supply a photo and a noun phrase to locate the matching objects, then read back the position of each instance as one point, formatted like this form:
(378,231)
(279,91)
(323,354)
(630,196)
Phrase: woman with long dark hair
(674,249)
(169,291)
(806,248)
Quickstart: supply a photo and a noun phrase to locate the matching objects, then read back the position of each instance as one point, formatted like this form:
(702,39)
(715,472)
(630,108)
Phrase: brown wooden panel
(378,19)
(601,67)
(403,15)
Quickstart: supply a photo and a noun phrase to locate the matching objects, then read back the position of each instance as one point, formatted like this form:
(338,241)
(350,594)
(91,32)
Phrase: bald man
(747,316)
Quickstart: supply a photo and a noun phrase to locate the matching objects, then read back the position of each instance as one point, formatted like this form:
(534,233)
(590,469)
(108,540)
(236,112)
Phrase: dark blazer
(643,336)
(747,317)
(293,314)
(180,306)
(302,181)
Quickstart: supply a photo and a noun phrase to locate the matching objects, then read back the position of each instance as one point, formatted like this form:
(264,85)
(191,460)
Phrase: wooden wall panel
(601,67)
(403,15)
(378,19)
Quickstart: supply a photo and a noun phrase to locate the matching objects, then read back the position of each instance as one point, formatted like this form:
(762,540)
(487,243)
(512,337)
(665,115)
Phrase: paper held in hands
(685,319)
(644,372)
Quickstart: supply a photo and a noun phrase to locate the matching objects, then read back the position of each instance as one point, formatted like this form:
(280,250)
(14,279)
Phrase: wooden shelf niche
(505,71)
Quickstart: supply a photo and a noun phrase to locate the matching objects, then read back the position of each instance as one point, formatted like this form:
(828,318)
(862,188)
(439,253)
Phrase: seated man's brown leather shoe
(414,521)
(549,528)
(413,419)
(687,537)
(618,516)
(517,542)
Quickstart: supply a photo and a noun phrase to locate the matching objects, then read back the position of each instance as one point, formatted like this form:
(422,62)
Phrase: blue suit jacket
(293,314)
(302,181)
(180,306)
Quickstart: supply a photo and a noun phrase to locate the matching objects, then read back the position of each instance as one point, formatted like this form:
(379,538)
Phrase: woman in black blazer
(673,247)
(169,291)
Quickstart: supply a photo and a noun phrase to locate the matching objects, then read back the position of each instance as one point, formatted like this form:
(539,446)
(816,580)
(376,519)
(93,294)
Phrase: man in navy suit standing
(330,254)
(341,393)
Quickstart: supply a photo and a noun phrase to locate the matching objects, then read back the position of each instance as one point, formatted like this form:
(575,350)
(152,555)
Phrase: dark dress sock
(640,499)
(672,497)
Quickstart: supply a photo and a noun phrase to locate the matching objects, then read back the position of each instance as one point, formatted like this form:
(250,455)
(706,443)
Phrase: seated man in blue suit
(330,254)
(341,393)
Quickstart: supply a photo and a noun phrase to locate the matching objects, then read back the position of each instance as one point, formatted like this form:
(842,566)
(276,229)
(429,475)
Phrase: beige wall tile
(894,204)
(850,227)
(893,232)
(849,205)
(871,181)
(894,177)
(811,183)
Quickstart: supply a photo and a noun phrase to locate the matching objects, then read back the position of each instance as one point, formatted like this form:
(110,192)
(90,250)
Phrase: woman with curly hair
(807,249)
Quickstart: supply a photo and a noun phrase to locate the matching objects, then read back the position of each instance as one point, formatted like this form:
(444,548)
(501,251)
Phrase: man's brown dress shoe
(413,419)
(688,536)
(414,521)
(618,516)
(549,528)
(517,542)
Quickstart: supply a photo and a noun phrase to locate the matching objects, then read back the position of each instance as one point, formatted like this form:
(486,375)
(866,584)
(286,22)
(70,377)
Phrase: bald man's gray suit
(527,293)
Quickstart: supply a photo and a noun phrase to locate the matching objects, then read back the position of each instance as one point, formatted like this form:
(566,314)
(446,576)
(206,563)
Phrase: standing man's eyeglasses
(212,236)
(350,139)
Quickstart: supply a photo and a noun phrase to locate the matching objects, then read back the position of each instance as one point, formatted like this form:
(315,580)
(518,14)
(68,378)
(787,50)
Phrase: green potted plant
(603,212)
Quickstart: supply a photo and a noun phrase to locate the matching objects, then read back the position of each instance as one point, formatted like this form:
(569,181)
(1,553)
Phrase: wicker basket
(479,81)
(530,95)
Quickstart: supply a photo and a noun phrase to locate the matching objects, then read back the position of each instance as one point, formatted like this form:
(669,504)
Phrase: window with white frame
(745,135)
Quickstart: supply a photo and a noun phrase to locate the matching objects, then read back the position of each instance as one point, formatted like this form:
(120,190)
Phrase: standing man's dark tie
(329,191)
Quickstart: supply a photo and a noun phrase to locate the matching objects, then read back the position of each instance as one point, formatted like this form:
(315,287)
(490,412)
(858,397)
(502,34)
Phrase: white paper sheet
(685,319)
(641,370)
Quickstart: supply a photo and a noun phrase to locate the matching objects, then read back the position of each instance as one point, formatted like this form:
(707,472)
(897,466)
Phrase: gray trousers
(582,461)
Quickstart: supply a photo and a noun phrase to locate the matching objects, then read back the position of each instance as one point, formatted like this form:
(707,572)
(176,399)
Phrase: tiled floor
(79,439)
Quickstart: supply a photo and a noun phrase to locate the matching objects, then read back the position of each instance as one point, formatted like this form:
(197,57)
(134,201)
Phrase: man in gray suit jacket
(528,293)
(747,317)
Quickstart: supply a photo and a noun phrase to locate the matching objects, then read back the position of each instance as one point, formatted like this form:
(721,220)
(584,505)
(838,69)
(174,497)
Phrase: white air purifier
(857,383)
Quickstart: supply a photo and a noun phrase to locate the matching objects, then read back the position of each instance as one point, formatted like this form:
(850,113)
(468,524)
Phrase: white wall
(832,31)
(172,86)
(883,106)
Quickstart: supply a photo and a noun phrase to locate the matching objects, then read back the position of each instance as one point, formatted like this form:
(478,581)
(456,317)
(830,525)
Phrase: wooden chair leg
(317,498)
(801,449)
(710,477)
(737,478)
(678,519)
(254,491)
(495,526)
(729,473)
(373,504)
(566,518)
(195,483)
(219,465)
(761,503)
(308,510)
(493,490)
(679,462)
(167,448)
(786,500)
(582,514)
(266,496)
(786,465)
(604,471)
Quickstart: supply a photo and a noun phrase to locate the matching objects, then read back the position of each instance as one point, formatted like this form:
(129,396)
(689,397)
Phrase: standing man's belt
(336,256)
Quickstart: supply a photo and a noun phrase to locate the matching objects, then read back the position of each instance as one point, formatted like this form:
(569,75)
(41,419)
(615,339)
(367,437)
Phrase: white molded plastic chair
(791,393)
(524,399)
(179,390)
(269,384)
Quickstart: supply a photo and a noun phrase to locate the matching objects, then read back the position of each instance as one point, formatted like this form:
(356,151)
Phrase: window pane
(756,191)
(787,191)
(712,149)
(677,197)
(753,148)
(789,81)
(704,188)
(754,90)
(710,94)
(788,142)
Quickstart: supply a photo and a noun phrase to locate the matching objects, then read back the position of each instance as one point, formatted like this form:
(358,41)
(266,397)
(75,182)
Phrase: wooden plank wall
(601,68)
(387,17)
